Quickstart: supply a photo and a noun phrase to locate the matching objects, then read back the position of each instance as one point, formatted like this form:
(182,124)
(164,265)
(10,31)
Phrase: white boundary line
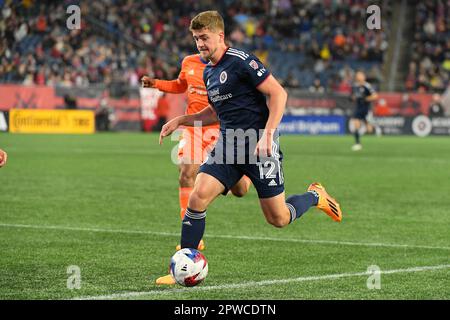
(253,238)
(252,284)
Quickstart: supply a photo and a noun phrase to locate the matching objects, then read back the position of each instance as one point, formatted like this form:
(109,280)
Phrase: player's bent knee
(239,192)
(278,223)
(241,189)
(187,177)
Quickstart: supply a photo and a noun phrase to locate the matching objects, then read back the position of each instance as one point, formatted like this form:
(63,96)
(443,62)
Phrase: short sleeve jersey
(192,69)
(361,92)
(232,90)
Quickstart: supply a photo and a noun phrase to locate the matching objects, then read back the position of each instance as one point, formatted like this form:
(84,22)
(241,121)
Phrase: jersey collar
(201,59)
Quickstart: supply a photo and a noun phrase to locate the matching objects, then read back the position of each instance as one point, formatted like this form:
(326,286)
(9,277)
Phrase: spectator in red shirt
(162,112)
(381,109)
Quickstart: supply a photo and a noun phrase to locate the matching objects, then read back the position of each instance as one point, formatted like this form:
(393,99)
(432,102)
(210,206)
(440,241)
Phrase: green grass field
(108,203)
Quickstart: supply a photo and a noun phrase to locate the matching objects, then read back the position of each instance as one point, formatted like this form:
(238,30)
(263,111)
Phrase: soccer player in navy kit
(362,94)
(237,85)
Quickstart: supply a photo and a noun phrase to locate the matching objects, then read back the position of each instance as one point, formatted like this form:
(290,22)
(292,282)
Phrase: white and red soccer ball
(188,267)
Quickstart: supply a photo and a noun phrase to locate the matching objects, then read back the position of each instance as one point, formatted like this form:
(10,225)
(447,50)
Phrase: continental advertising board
(51,121)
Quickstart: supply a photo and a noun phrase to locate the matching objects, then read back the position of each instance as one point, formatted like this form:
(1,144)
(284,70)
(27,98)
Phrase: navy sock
(357,136)
(298,204)
(192,228)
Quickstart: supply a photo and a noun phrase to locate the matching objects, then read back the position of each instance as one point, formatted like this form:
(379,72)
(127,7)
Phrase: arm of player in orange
(276,104)
(206,117)
(170,86)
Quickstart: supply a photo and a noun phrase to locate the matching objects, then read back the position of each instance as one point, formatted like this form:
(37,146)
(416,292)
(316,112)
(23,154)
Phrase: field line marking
(221,236)
(252,284)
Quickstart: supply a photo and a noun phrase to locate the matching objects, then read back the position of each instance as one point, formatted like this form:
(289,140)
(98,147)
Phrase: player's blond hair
(211,20)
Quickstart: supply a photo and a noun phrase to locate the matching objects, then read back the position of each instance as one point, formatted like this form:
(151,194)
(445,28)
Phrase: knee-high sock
(298,204)
(357,135)
(183,195)
(192,228)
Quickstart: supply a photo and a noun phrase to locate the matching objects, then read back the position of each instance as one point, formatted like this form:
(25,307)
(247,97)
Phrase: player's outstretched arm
(3,158)
(206,117)
(169,86)
(276,104)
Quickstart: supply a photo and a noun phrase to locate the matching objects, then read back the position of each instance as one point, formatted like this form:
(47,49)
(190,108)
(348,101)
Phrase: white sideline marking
(171,234)
(251,284)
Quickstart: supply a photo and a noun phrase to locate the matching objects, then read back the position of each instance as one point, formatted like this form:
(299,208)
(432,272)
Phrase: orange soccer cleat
(165,280)
(326,203)
(201,246)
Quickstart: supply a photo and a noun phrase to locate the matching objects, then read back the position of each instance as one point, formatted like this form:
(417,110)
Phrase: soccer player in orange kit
(190,156)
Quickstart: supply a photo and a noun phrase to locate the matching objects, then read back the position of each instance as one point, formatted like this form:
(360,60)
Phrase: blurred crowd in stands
(429,69)
(314,45)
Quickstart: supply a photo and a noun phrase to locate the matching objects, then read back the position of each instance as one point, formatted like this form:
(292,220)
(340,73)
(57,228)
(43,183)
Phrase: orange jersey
(190,80)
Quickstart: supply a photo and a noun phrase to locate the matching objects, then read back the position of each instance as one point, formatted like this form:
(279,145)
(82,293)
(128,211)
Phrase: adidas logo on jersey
(272,183)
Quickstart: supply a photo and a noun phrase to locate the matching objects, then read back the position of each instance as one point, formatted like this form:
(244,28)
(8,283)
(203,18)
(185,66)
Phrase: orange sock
(184,193)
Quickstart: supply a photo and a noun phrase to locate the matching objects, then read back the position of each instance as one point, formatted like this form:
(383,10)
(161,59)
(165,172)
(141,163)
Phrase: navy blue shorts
(266,173)
(361,113)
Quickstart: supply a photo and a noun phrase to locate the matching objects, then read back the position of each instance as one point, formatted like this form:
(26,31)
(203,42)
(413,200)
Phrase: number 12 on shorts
(266,169)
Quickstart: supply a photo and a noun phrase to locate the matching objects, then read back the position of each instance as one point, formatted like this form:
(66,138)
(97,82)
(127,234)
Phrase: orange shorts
(195,143)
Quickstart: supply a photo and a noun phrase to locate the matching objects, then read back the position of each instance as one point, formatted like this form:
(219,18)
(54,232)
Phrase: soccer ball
(188,267)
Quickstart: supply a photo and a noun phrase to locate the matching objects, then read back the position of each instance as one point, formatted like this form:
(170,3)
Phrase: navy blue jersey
(361,92)
(232,90)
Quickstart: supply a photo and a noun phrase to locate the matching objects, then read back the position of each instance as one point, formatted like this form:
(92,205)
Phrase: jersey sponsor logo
(214,95)
(221,97)
(261,72)
(254,65)
(213,92)
(223,77)
(197,89)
